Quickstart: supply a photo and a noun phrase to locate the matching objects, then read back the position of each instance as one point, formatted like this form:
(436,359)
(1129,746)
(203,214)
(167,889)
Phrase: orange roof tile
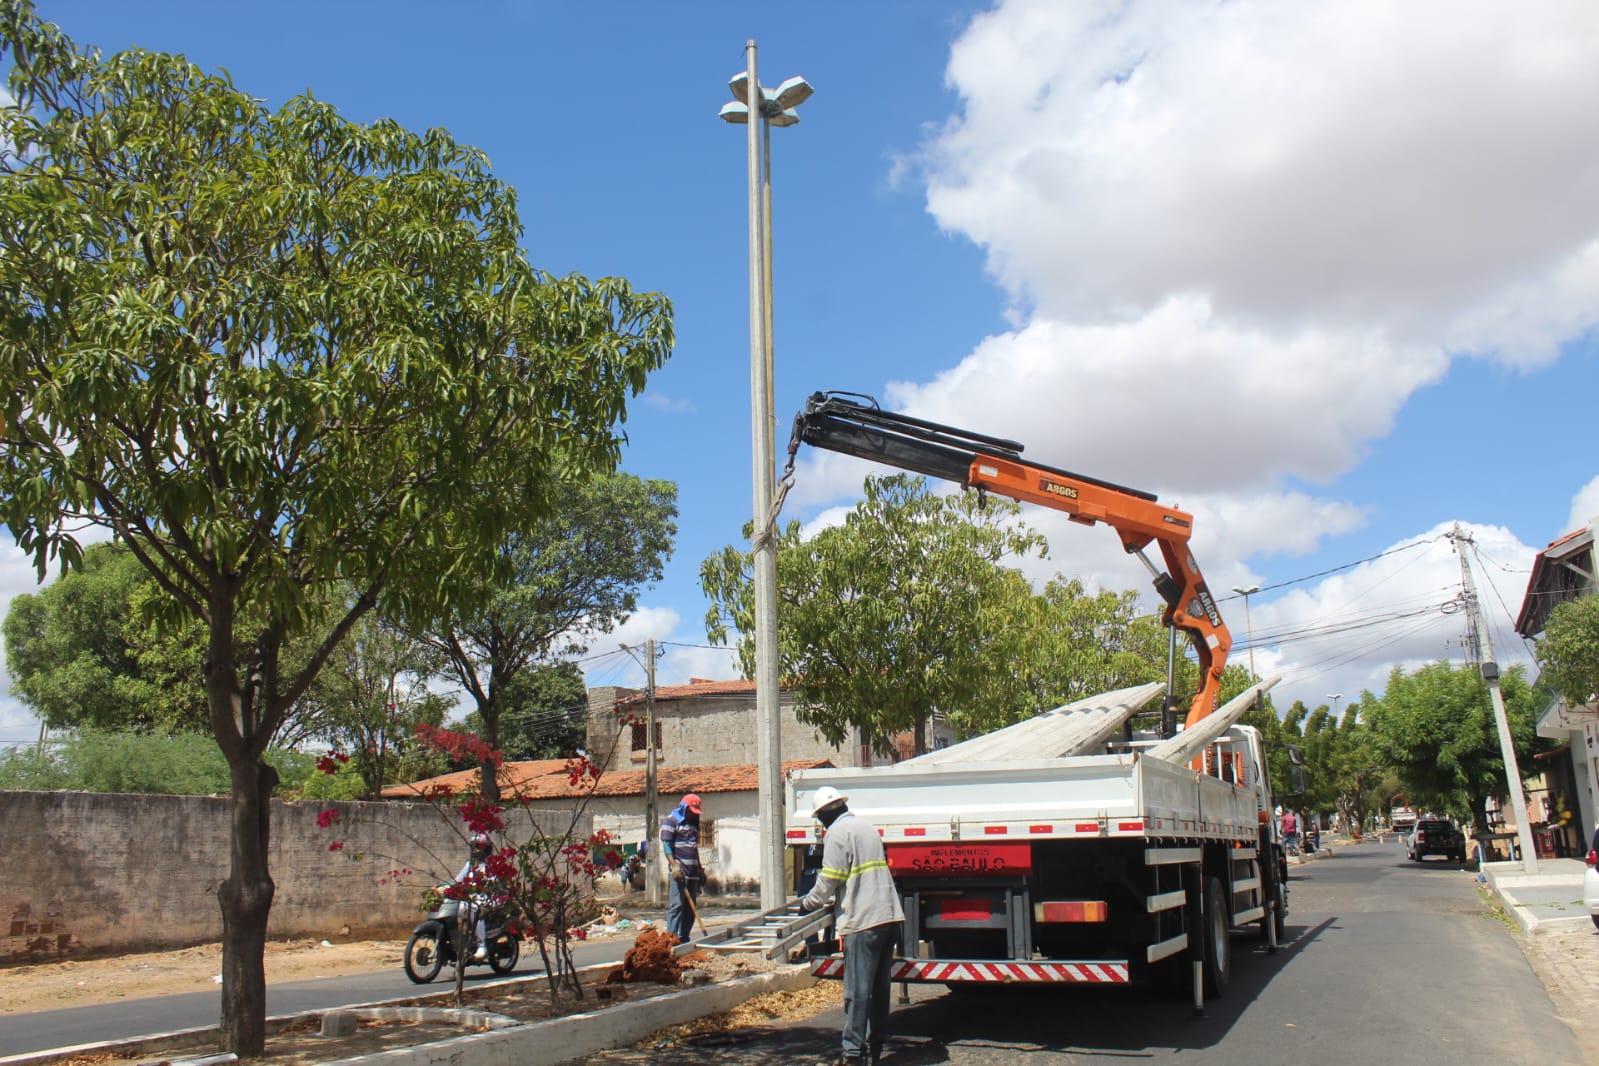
(518,773)
(697,687)
(670,781)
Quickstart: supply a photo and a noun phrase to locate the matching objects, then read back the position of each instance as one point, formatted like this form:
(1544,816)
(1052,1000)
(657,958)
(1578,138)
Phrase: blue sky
(1325,277)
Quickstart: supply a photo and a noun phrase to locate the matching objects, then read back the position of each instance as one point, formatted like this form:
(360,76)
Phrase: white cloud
(670,404)
(682,651)
(17,576)
(1584,507)
(1345,632)
(1238,239)
(1358,165)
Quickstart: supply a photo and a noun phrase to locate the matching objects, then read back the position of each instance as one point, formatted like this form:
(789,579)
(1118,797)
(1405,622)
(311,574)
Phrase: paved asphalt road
(116,1021)
(1387,961)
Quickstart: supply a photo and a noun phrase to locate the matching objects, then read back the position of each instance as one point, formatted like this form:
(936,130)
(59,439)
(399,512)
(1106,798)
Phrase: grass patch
(1494,910)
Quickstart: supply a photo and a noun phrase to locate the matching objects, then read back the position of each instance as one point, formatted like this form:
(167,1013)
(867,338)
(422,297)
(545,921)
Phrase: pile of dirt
(649,959)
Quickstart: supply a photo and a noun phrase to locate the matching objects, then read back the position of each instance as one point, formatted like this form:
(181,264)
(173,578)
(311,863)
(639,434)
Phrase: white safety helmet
(826,796)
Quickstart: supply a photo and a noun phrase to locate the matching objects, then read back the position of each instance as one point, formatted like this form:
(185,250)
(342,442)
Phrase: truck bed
(942,798)
(1077,796)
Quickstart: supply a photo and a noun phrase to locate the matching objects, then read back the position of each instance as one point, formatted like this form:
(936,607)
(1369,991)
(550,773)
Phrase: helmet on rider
(481,845)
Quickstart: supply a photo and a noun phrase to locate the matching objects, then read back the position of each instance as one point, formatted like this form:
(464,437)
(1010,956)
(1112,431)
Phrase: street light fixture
(775,107)
(1335,697)
(1249,626)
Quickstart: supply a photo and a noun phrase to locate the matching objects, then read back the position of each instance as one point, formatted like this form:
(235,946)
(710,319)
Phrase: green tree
(576,571)
(545,715)
(277,353)
(32,769)
(1568,654)
(370,698)
(1070,644)
(889,616)
(85,652)
(93,760)
(1436,728)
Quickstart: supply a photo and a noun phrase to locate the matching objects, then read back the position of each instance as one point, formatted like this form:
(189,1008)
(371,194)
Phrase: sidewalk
(1552,896)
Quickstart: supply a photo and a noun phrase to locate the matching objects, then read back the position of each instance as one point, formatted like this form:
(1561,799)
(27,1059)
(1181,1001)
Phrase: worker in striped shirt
(869,920)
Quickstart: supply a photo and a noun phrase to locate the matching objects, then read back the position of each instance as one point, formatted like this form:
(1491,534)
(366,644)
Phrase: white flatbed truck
(1070,849)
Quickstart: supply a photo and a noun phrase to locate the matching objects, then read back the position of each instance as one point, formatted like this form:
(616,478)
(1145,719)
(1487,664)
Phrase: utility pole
(652,825)
(652,865)
(1490,674)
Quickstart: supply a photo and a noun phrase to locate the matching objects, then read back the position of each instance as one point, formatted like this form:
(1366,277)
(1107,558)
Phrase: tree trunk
(246,899)
(489,711)
(919,744)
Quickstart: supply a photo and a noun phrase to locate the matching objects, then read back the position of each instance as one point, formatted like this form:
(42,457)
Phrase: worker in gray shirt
(869,919)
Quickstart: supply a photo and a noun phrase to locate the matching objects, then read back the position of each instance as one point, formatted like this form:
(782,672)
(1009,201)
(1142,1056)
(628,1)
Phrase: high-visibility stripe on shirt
(855,869)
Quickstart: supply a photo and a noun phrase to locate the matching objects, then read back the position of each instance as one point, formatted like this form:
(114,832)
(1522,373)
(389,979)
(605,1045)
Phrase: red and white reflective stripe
(1053,830)
(1102,973)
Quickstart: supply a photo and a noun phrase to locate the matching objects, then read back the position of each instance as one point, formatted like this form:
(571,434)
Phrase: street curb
(577,1036)
(557,1040)
(1531,924)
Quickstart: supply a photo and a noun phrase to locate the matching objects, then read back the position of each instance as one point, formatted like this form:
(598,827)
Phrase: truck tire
(1218,945)
(1276,904)
(1273,895)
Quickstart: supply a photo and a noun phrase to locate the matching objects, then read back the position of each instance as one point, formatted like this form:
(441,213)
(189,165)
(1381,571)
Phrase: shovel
(692,909)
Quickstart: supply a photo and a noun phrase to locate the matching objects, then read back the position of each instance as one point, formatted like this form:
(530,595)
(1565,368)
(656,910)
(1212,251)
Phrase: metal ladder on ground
(775,934)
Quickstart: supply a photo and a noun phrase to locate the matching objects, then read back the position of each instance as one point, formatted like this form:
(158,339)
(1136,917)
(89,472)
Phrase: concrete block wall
(708,731)
(84,873)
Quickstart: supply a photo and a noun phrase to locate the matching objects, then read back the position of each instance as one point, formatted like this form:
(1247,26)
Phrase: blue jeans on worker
(679,916)
(868,961)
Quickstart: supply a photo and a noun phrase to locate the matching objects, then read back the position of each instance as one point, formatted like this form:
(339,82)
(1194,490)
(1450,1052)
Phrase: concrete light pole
(774,108)
(1249,626)
(1335,697)
(1490,674)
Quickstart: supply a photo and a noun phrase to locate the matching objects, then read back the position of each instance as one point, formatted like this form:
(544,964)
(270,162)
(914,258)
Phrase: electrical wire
(1337,569)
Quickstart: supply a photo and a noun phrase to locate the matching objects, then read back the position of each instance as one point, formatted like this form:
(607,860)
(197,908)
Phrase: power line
(1337,569)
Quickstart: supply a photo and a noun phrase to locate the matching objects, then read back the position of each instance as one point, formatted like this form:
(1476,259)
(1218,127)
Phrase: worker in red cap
(680,846)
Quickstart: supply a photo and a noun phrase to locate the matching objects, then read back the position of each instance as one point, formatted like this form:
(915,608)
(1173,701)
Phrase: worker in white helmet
(869,920)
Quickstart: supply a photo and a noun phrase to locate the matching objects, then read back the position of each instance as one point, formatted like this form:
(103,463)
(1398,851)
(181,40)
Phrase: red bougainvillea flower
(481,816)
(337,845)
(330,763)
(326,818)
(459,746)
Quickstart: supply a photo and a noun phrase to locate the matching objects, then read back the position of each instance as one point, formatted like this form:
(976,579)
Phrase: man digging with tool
(680,846)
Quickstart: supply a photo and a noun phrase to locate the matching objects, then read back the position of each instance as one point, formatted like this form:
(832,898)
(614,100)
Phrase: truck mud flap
(991,971)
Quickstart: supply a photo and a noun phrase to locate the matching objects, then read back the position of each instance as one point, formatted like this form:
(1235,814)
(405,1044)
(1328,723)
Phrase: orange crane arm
(992,464)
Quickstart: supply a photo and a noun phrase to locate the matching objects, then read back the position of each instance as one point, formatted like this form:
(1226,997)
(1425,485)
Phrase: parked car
(1436,836)
(1590,880)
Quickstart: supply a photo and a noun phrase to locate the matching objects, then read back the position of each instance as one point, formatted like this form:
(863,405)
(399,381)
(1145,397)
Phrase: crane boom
(993,464)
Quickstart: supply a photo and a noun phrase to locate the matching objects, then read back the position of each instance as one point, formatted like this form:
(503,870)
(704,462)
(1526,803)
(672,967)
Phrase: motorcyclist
(472,904)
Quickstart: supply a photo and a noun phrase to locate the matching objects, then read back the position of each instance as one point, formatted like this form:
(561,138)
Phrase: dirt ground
(80,983)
